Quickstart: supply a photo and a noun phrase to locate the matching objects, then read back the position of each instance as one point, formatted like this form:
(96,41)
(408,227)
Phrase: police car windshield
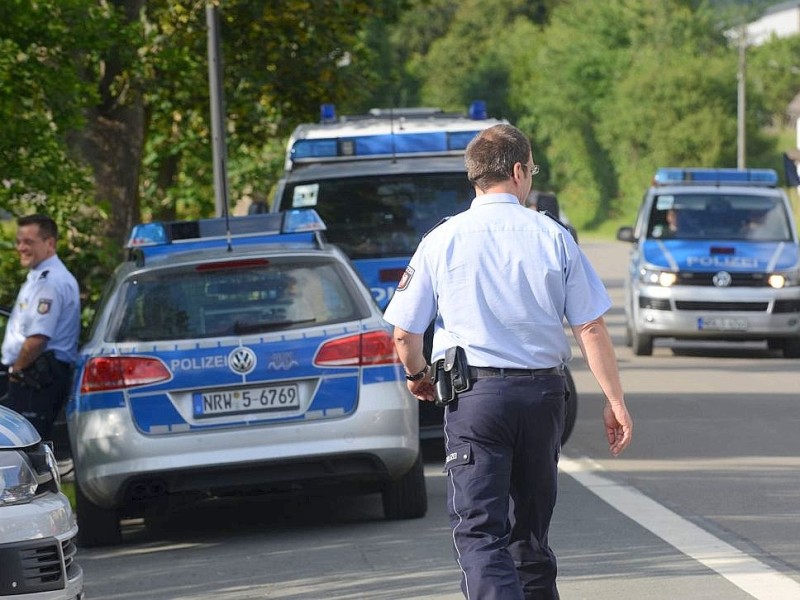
(169,304)
(712,216)
(382,216)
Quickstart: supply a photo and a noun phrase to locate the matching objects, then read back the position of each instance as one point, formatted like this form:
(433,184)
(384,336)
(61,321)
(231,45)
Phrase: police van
(380,181)
(714,257)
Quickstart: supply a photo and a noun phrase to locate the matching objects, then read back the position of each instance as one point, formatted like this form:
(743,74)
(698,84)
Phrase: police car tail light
(105,373)
(372,348)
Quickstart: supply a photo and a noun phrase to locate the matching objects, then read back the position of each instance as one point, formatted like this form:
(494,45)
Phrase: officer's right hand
(422,389)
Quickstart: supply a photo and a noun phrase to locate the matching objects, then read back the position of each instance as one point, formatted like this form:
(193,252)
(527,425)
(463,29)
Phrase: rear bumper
(115,462)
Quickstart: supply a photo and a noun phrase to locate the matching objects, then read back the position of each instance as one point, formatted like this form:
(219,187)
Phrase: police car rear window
(382,216)
(713,216)
(221,299)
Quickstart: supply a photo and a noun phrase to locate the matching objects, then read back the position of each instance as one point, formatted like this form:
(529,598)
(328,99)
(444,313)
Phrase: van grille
(737,279)
(722,306)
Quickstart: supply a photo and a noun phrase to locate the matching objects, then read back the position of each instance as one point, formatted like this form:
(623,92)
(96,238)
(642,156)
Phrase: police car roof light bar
(716,177)
(386,133)
(258,225)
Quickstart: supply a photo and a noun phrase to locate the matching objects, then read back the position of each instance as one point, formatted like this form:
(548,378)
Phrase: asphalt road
(703,505)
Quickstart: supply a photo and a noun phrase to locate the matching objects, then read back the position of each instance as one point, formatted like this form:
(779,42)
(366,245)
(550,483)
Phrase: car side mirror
(625,234)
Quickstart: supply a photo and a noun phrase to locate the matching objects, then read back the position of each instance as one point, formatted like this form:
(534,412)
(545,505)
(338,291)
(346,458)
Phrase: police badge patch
(44,306)
(405,279)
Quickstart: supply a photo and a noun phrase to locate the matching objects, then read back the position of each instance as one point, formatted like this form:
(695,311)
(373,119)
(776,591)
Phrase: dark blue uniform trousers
(40,405)
(503,439)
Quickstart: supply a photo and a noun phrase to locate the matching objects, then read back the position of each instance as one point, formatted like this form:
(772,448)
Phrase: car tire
(791,348)
(572,407)
(642,345)
(97,526)
(407,498)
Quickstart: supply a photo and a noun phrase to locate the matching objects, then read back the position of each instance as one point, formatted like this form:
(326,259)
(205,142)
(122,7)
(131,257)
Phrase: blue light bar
(703,176)
(383,144)
(254,226)
(477,110)
(327,113)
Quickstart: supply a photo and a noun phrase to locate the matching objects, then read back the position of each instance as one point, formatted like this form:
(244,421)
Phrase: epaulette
(435,226)
(571,230)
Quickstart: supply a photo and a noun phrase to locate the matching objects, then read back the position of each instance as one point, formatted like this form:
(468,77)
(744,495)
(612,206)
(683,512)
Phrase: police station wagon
(714,256)
(238,355)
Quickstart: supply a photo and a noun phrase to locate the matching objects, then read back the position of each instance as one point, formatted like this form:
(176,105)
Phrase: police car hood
(15,430)
(733,256)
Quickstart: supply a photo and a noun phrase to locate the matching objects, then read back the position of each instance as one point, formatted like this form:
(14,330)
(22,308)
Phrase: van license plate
(275,398)
(722,324)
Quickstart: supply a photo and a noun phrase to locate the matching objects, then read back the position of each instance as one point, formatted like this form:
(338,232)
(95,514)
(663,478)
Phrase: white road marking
(742,570)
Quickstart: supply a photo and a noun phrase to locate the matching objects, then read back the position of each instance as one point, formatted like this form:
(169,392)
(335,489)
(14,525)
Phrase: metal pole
(740,117)
(219,152)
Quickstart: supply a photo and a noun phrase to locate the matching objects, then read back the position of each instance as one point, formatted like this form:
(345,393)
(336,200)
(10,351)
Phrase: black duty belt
(482,372)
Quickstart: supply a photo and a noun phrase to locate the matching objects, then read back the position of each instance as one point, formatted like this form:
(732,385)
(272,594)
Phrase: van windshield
(709,216)
(382,216)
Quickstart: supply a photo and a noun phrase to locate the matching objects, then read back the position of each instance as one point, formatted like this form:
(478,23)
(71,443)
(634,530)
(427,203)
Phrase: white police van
(239,355)
(380,181)
(715,255)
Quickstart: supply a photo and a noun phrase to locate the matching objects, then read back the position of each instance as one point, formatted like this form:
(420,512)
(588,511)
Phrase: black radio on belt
(450,376)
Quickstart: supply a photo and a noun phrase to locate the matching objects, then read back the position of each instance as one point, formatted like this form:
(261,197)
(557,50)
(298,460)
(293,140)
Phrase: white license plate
(722,324)
(274,398)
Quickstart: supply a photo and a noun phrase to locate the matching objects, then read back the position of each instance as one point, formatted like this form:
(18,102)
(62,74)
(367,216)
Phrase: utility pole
(741,97)
(218,147)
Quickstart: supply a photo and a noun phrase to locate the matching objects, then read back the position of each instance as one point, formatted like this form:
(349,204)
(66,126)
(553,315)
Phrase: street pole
(740,116)
(219,152)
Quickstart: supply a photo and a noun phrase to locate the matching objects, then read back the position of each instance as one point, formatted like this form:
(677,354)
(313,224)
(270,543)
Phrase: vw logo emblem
(242,360)
(722,279)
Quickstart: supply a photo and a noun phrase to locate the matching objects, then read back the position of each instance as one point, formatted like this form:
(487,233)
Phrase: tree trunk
(112,143)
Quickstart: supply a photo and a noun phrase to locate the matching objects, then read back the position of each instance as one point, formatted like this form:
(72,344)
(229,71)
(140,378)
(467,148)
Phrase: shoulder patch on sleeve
(405,279)
(44,306)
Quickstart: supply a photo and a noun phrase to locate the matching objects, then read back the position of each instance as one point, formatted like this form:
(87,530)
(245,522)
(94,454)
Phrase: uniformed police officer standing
(41,340)
(498,280)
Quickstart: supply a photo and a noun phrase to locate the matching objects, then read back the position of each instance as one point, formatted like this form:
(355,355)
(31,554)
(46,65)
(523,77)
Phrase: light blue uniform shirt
(48,304)
(499,279)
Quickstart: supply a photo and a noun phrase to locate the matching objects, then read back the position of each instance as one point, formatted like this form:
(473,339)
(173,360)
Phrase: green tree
(631,85)
(773,71)
(47,50)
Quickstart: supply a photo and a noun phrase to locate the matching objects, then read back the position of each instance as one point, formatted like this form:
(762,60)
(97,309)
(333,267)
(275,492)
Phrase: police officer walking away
(498,280)
(41,340)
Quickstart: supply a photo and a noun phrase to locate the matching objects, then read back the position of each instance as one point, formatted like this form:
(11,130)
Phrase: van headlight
(657,277)
(785,279)
(18,482)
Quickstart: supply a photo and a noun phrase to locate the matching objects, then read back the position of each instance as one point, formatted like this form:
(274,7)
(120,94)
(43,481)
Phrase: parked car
(238,355)
(714,256)
(37,526)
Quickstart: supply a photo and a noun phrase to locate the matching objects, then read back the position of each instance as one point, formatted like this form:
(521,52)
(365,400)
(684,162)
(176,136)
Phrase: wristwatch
(417,376)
